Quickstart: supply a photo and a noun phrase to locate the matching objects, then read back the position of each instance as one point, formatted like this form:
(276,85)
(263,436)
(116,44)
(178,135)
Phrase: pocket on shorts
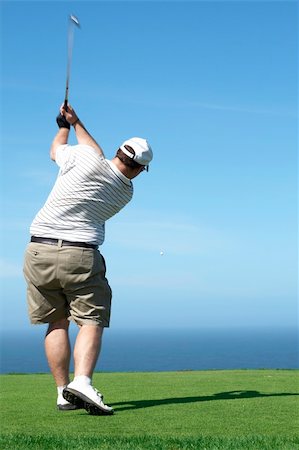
(80,261)
(38,265)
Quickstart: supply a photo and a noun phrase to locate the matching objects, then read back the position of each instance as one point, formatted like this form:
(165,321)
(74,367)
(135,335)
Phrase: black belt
(51,241)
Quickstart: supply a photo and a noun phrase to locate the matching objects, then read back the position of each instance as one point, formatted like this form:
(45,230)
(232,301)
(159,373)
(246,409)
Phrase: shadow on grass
(231,395)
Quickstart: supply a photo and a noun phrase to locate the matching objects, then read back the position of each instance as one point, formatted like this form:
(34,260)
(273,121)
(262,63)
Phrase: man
(64,270)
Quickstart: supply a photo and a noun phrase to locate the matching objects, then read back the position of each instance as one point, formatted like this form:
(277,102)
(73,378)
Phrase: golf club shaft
(72,22)
(69,62)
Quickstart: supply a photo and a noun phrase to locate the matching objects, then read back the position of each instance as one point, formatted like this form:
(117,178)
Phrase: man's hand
(70,116)
(62,122)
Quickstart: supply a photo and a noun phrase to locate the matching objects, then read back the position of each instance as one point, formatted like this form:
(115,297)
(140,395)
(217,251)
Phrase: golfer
(64,270)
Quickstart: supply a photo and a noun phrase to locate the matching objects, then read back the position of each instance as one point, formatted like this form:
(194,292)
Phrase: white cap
(143,152)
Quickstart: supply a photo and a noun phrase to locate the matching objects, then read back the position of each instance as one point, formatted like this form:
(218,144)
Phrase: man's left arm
(61,138)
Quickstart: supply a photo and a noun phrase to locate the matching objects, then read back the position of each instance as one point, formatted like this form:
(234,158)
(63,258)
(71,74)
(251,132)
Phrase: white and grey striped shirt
(88,191)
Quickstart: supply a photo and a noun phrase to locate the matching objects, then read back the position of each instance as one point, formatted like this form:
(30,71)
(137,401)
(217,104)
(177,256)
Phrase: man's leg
(87,349)
(86,352)
(58,351)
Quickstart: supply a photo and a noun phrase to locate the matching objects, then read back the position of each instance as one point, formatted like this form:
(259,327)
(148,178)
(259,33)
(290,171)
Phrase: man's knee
(58,325)
(91,328)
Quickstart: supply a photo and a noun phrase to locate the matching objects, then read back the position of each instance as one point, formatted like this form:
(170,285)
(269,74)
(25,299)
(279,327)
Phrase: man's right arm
(83,136)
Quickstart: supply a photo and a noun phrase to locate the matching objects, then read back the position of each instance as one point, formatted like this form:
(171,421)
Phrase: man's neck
(125,170)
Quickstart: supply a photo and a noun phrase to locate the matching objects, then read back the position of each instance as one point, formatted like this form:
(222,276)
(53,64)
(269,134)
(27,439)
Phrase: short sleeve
(63,153)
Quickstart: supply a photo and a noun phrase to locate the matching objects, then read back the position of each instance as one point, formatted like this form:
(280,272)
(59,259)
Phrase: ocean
(164,350)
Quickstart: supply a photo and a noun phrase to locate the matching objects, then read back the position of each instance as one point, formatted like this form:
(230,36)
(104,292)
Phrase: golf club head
(74,20)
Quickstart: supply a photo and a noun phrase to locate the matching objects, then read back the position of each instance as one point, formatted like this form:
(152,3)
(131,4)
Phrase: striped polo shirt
(88,191)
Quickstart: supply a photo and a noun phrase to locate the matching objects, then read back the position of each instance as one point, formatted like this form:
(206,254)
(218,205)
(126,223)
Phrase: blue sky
(213,87)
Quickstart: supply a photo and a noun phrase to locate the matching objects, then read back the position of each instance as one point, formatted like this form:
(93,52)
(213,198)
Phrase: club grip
(65,105)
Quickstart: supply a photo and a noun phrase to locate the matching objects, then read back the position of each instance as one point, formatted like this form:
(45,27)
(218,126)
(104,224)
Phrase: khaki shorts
(66,282)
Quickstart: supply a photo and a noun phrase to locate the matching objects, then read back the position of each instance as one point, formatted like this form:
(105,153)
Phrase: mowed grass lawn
(240,409)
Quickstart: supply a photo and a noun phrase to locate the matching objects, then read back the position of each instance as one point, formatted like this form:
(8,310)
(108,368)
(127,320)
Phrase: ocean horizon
(163,350)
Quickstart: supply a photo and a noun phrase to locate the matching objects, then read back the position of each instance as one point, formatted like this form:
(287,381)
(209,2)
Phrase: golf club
(73,21)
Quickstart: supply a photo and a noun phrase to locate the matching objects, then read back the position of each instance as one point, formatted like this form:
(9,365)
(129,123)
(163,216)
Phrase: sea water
(163,350)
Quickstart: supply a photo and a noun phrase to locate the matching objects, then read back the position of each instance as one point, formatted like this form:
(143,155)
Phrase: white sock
(82,379)
(60,399)
(60,388)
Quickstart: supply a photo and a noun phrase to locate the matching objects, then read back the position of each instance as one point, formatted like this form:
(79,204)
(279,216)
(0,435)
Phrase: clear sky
(213,87)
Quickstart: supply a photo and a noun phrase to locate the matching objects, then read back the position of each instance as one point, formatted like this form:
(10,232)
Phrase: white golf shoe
(85,394)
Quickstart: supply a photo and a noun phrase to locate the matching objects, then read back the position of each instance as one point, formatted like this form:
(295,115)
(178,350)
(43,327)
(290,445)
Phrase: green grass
(227,410)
